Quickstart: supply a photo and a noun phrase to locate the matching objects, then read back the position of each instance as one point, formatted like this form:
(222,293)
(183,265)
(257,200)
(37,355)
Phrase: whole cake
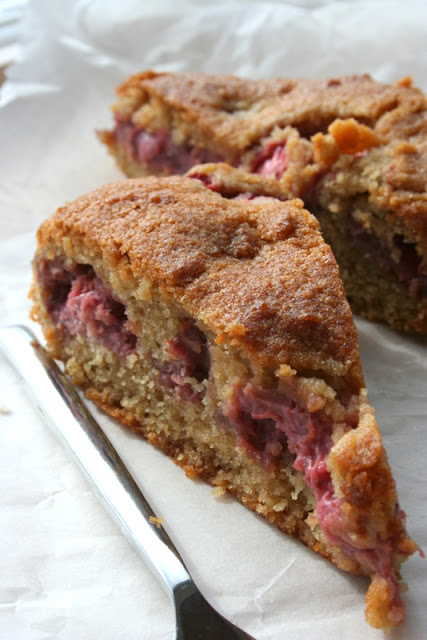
(214,323)
(353,149)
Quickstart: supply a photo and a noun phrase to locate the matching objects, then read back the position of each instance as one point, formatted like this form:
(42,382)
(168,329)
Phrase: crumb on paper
(157,521)
(4,411)
(218,491)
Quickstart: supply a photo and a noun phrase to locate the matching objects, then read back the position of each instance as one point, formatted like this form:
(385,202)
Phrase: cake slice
(214,323)
(353,149)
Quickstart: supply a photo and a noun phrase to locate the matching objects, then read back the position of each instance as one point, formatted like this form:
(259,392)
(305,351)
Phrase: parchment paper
(66,572)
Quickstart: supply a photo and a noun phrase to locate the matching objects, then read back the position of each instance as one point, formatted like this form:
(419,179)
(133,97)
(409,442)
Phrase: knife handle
(76,427)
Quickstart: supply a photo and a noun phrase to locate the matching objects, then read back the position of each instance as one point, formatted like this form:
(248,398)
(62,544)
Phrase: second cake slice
(355,150)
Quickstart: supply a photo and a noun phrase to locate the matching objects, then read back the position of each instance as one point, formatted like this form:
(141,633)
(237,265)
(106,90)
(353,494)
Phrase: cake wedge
(355,151)
(214,323)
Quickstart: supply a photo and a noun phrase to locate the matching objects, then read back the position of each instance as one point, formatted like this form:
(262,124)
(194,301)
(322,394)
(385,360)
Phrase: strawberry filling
(158,150)
(267,425)
(271,161)
(81,305)
(189,358)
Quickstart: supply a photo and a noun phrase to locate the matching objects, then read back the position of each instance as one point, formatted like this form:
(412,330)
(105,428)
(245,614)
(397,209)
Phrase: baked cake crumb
(157,521)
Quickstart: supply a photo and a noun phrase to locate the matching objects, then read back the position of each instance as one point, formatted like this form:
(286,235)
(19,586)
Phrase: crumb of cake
(158,522)
(405,82)
(312,521)
(325,149)
(352,137)
(284,371)
(217,492)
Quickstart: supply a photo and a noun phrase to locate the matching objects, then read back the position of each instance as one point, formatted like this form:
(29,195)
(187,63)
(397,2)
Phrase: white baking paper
(65,570)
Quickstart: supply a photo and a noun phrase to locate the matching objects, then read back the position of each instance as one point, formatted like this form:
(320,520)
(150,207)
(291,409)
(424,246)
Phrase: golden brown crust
(257,273)
(237,112)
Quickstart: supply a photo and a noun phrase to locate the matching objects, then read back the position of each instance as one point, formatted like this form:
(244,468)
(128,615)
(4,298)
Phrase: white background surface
(65,570)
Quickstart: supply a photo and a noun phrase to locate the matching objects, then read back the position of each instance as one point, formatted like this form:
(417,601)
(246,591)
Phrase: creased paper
(66,571)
